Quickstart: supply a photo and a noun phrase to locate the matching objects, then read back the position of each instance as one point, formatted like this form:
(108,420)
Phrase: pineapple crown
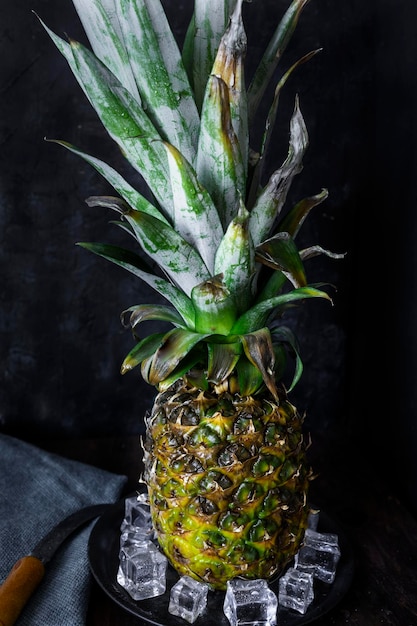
(227,253)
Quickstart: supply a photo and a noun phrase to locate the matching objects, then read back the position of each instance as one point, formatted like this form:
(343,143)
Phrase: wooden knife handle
(16,590)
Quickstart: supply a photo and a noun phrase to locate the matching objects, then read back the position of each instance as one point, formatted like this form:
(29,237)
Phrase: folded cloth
(37,490)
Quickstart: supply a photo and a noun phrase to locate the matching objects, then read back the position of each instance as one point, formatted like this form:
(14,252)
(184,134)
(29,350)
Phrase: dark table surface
(381,531)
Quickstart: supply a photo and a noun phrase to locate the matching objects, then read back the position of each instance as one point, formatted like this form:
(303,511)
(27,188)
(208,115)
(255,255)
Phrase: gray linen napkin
(37,490)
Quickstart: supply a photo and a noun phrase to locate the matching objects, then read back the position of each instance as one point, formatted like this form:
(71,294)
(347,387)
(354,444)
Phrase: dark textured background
(61,340)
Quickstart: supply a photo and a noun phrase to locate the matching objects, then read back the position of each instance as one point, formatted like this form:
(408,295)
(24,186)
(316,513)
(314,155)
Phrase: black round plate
(103,554)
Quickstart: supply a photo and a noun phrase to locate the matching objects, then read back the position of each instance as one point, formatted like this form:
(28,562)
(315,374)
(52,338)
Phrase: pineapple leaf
(144,349)
(271,200)
(235,259)
(122,117)
(176,344)
(273,286)
(312,251)
(185,368)
(260,352)
(171,252)
(214,232)
(207,27)
(273,54)
(109,202)
(102,27)
(294,219)
(219,161)
(187,53)
(143,312)
(157,66)
(281,253)
(195,215)
(257,165)
(126,123)
(121,256)
(249,377)
(269,126)
(254,317)
(281,361)
(229,66)
(124,226)
(133,263)
(214,305)
(161,242)
(122,207)
(148,233)
(127,192)
(282,335)
(272,114)
(222,359)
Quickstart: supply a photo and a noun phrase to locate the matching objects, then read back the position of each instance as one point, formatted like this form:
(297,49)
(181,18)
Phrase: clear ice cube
(142,570)
(296,590)
(250,603)
(135,536)
(188,598)
(137,513)
(319,555)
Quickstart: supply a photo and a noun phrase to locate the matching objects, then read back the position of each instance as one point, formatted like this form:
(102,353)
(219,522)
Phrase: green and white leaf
(127,192)
(160,75)
(272,55)
(219,161)
(229,66)
(122,117)
(270,123)
(195,216)
(135,265)
(235,259)
(271,200)
(169,250)
(101,24)
(205,225)
(208,25)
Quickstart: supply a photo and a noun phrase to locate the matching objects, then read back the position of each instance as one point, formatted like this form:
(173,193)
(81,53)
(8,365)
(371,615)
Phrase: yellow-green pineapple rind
(228,482)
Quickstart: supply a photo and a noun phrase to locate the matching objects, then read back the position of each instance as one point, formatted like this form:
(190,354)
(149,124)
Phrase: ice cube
(143,497)
(142,570)
(135,536)
(250,602)
(188,598)
(319,555)
(137,513)
(296,590)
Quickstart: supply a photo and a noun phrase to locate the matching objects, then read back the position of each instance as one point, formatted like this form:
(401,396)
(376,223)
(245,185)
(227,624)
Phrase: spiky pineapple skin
(228,480)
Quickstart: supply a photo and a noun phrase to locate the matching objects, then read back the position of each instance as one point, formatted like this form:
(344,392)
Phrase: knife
(28,571)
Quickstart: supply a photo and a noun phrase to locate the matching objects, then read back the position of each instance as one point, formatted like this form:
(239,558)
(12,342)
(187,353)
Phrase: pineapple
(224,452)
